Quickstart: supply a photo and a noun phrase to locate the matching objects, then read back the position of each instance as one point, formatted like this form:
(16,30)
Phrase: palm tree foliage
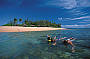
(20,20)
(29,23)
(15,21)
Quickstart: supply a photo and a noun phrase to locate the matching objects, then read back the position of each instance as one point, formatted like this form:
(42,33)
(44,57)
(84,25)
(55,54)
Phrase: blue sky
(70,13)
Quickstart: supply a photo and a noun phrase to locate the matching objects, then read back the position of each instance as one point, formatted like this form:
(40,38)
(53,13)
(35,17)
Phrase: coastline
(27,29)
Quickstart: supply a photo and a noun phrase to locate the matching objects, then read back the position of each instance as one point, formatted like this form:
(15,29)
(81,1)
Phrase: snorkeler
(51,41)
(54,41)
(69,42)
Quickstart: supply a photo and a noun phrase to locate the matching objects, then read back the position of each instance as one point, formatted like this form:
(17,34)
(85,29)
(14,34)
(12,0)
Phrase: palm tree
(20,20)
(59,25)
(15,21)
(26,22)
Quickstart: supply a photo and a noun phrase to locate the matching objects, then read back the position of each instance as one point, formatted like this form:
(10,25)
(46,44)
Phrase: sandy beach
(26,29)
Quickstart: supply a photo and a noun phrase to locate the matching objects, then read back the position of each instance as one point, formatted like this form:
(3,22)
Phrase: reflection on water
(33,45)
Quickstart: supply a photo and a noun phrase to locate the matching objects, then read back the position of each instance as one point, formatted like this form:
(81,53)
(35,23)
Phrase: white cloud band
(76,26)
(69,4)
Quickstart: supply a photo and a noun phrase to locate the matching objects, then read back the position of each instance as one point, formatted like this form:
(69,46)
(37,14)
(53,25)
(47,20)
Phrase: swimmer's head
(48,35)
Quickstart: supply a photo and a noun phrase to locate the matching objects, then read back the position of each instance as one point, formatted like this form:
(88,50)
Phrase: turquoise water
(33,45)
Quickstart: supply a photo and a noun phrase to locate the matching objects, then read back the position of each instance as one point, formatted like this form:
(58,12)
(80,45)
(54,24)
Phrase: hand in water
(73,50)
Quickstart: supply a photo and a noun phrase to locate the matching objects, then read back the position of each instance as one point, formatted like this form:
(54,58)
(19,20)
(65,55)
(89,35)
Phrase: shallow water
(33,45)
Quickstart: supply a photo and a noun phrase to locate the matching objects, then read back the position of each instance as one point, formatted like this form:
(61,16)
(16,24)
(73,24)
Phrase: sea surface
(33,45)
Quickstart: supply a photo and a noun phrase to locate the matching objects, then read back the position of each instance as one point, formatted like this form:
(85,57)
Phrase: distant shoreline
(27,29)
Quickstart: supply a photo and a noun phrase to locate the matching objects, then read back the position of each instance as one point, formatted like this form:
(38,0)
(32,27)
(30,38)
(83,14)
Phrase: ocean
(33,45)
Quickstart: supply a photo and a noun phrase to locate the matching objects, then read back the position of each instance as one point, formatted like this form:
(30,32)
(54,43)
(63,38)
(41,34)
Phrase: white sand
(26,29)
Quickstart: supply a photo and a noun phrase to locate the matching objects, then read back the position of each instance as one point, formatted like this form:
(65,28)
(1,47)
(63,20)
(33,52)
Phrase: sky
(69,13)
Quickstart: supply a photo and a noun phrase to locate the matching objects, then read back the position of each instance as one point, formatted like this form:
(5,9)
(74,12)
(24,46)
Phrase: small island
(29,23)
(19,25)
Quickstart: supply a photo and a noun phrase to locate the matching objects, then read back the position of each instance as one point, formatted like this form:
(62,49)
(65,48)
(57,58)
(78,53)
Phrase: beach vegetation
(29,23)
(20,21)
(15,21)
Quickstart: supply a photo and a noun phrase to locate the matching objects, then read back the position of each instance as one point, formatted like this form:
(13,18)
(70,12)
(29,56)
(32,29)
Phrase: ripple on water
(33,45)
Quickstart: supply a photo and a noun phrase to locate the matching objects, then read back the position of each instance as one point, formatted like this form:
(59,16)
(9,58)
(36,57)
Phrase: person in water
(50,40)
(69,42)
(54,41)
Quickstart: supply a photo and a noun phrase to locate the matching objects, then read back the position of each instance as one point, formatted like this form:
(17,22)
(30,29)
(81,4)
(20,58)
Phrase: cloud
(76,26)
(60,18)
(80,18)
(83,3)
(78,12)
(69,4)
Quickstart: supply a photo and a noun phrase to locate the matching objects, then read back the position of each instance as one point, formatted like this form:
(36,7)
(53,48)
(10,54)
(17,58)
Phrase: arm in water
(73,46)
(54,40)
